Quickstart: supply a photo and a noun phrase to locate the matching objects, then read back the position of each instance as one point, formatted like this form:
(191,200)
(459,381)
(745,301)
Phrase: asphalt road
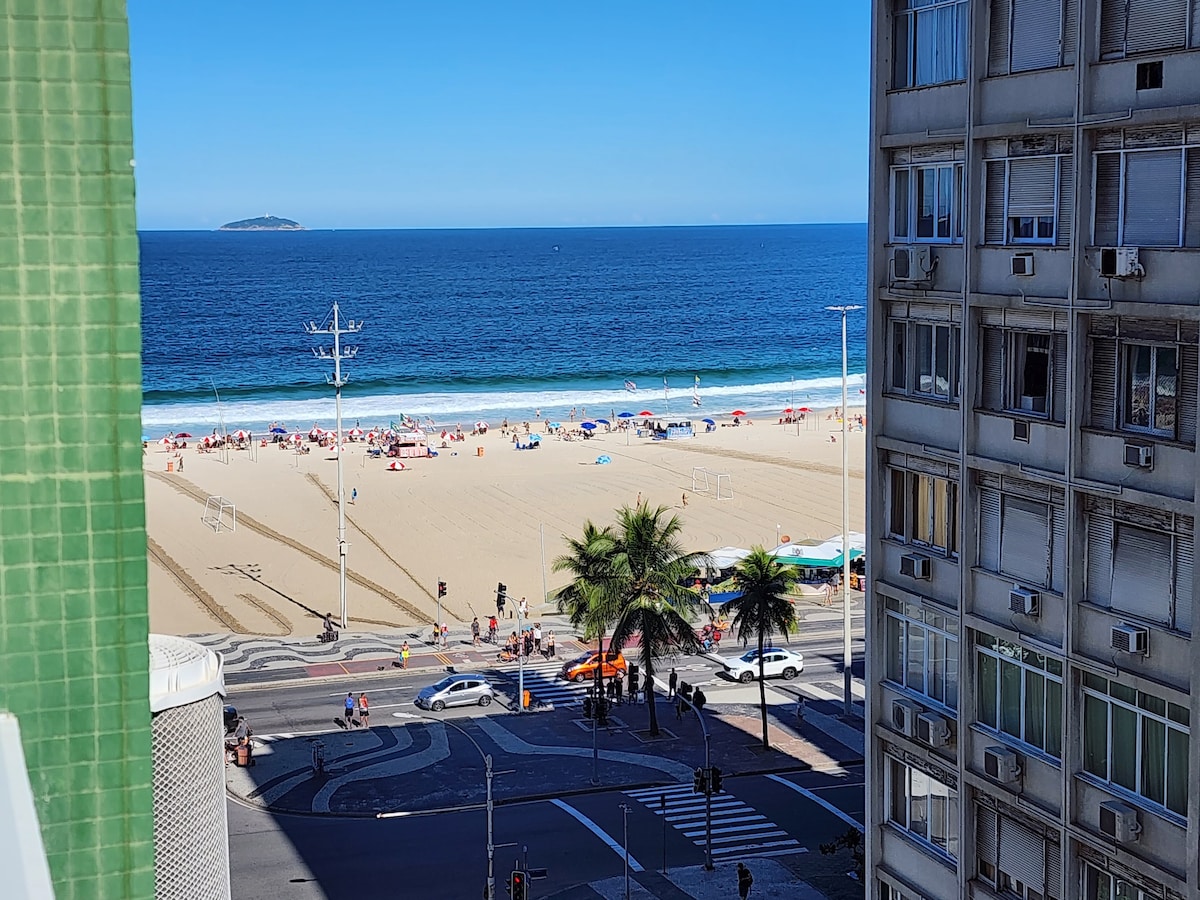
(576,841)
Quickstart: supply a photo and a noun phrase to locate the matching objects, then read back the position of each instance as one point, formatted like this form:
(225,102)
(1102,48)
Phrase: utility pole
(520,659)
(334,327)
(625,819)
(847,656)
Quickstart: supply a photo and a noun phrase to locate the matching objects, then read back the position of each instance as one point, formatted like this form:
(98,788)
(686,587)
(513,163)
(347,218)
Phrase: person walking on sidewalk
(475,631)
(404,654)
(364,711)
(537,636)
(672,684)
(349,707)
(745,880)
(550,645)
(445,636)
(493,627)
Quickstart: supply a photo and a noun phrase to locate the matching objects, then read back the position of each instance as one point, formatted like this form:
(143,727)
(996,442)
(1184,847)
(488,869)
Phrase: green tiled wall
(73,613)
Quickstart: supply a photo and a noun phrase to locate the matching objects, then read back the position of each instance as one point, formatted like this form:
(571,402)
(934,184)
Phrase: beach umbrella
(625,415)
(146,437)
(297,438)
(553,425)
(737,412)
(789,409)
(183,434)
(803,409)
(355,432)
(166,442)
(278,430)
(396,466)
(241,434)
(535,438)
(708,421)
(603,422)
(645,412)
(588,425)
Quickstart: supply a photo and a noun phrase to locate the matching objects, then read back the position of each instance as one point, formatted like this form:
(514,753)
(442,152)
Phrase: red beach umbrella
(183,434)
(645,412)
(737,412)
(789,409)
(804,409)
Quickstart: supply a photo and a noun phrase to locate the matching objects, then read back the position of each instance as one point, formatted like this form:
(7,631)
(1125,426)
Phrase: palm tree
(762,609)
(584,600)
(646,574)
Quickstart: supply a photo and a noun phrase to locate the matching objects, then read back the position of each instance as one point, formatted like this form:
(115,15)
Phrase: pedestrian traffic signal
(516,885)
(714,779)
(441,589)
(698,781)
(501,590)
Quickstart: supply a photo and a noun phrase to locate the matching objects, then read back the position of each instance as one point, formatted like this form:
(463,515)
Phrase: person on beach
(329,624)
(404,654)
(639,499)
(685,499)
(354,495)
(349,708)
(475,631)
(364,711)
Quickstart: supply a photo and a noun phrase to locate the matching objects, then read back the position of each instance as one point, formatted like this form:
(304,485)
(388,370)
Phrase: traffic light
(698,781)
(501,590)
(516,885)
(714,779)
(441,589)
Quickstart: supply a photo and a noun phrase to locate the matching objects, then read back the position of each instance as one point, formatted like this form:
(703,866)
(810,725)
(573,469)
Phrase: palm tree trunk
(649,676)
(762,688)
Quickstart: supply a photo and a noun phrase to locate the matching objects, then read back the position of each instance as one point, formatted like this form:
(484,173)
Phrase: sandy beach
(467,519)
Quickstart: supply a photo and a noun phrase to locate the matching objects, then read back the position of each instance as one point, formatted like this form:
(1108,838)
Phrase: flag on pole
(696,392)
(630,386)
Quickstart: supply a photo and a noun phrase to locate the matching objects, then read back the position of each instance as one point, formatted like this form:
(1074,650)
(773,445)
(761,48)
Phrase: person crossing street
(745,880)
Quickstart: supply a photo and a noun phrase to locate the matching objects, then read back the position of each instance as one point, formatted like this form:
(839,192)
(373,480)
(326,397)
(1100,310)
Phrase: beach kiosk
(670,429)
(409,445)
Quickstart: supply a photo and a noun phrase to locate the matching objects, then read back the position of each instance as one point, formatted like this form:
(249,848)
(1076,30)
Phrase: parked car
(583,667)
(231,718)
(456,690)
(777,662)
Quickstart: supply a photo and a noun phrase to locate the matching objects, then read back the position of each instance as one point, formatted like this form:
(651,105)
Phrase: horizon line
(499,227)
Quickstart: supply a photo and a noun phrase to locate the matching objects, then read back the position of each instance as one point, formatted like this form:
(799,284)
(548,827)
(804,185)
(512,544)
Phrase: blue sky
(488,114)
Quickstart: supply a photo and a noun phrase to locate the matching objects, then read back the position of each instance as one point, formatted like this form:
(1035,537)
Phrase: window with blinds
(1148,197)
(1144,387)
(1027,200)
(1014,858)
(1024,35)
(1131,27)
(1024,372)
(1022,538)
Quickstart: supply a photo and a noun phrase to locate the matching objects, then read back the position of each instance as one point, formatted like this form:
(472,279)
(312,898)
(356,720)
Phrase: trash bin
(243,755)
(170,465)
(479,451)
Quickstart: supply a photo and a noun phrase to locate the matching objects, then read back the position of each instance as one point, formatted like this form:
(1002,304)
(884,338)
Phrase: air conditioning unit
(912,263)
(1022,264)
(1033,403)
(914,565)
(904,717)
(1119,822)
(1130,639)
(1120,262)
(1139,456)
(1023,601)
(933,730)
(1020,430)
(1001,764)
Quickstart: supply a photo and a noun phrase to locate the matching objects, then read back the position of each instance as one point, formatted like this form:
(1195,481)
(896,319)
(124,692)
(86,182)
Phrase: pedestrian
(364,711)
(475,631)
(493,627)
(685,499)
(799,710)
(329,623)
(672,684)
(618,690)
(698,699)
(639,499)
(181,464)
(349,707)
(550,645)
(537,636)
(354,496)
(445,635)
(523,608)
(745,880)
(404,654)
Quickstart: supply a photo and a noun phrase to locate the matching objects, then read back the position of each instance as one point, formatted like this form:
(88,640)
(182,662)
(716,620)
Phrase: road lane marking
(824,804)
(599,832)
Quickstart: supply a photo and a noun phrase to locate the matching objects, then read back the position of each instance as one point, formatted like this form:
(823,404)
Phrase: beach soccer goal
(724,485)
(700,482)
(219,514)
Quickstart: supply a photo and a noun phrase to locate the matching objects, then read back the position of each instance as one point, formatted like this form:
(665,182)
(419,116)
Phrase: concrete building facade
(1034,344)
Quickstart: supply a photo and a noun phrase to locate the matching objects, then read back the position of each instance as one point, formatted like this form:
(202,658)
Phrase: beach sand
(469,520)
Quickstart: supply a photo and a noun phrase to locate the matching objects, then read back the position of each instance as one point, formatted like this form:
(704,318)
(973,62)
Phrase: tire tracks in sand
(798,464)
(188,489)
(189,584)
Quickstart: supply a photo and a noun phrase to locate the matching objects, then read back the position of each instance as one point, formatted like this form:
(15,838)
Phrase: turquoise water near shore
(461,325)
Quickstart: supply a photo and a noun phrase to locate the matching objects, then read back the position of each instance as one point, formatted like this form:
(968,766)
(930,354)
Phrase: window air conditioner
(1001,764)
(1139,456)
(933,730)
(912,263)
(1120,262)
(1033,403)
(1022,264)
(1024,601)
(1119,822)
(914,565)
(904,717)
(1130,639)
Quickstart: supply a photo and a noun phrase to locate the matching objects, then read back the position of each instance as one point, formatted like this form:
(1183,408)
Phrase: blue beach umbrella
(553,425)
(535,438)
(708,421)
(603,422)
(588,425)
(625,415)
(278,430)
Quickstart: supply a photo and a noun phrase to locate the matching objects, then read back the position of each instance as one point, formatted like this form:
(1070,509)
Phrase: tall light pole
(337,354)
(847,656)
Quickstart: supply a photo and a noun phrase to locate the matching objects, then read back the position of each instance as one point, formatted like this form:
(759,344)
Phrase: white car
(776,662)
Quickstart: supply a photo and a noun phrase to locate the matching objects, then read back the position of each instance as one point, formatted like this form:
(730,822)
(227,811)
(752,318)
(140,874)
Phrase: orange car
(584,667)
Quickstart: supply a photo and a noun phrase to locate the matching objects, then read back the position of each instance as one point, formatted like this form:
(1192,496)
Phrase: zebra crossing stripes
(738,830)
(542,681)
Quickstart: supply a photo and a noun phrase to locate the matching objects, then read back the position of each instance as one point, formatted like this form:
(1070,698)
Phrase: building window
(927,203)
(930,42)
(1100,885)
(1149,383)
(1130,27)
(1022,198)
(1024,372)
(1024,35)
(924,359)
(922,806)
(1138,570)
(922,651)
(924,510)
(1019,693)
(1142,198)
(1022,538)
(1136,741)
(1014,858)
(890,892)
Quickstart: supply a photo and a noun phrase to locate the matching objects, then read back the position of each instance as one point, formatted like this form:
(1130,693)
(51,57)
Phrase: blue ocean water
(480,324)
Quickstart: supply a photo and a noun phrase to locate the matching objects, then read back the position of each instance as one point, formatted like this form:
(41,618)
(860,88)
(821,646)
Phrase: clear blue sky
(483,114)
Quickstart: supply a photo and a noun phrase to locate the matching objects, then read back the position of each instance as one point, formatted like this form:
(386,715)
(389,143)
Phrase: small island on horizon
(263,223)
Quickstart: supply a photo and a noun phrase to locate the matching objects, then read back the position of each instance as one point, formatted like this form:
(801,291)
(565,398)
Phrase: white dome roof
(182,672)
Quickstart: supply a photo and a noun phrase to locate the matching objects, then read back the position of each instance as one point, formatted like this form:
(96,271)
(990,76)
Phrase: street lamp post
(708,863)
(625,818)
(847,657)
(338,353)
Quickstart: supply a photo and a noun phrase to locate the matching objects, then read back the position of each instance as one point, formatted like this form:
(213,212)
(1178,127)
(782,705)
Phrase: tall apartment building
(1033,330)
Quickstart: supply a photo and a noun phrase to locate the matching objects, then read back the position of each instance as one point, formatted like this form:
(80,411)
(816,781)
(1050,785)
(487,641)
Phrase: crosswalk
(542,681)
(738,830)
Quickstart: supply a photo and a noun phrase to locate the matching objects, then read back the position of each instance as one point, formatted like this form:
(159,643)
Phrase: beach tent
(726,557)
(825,555)
(858,541)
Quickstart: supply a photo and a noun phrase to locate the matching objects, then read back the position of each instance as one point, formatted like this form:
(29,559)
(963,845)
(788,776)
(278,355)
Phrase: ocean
(467,325)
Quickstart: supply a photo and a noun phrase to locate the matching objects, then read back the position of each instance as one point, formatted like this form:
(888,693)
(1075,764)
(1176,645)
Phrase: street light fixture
(847,656)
